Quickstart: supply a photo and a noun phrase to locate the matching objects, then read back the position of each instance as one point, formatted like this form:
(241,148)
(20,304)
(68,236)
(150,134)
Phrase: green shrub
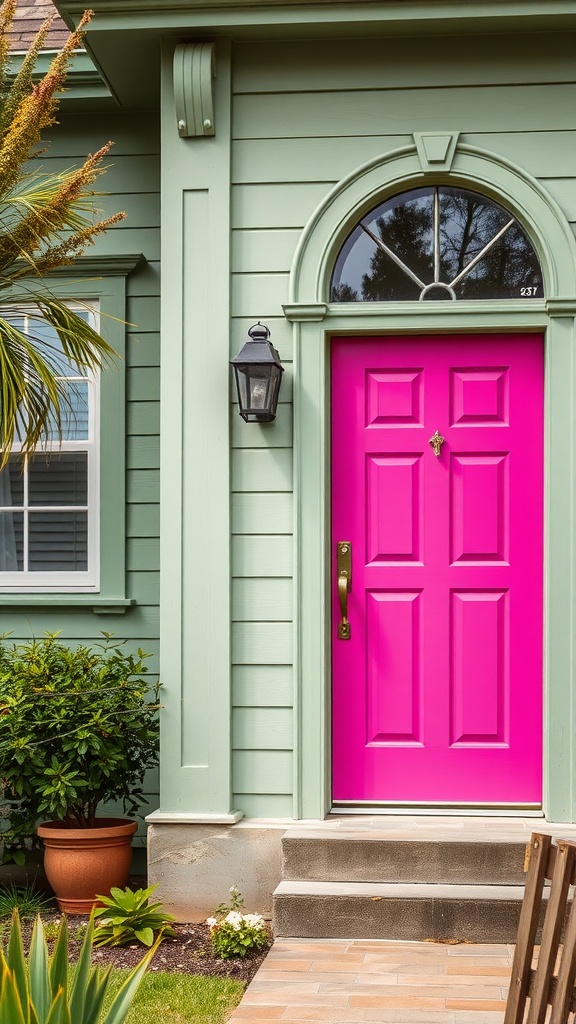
(78,726)
(44,991)
(128,916)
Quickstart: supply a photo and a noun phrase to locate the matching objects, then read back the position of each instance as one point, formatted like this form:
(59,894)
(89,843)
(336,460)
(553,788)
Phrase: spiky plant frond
(46,221)
(7,12)
(23,82)
(41,989)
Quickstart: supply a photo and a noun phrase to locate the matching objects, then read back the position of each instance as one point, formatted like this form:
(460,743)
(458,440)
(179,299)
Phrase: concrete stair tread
(396,890)
(379,835)
(497,828)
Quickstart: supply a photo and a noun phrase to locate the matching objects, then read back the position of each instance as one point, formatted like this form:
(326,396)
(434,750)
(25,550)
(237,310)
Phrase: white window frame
(59,582)
(100,281)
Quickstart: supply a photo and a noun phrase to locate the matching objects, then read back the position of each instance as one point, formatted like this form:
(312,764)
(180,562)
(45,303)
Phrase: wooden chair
(552,982)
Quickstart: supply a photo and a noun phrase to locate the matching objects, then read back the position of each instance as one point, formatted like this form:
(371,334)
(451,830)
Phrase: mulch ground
(188,953)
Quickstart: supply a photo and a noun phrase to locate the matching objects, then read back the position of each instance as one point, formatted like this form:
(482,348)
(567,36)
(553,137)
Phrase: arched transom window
(436,243)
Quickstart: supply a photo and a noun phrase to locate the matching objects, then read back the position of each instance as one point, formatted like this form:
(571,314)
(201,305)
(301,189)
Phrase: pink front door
(437,694)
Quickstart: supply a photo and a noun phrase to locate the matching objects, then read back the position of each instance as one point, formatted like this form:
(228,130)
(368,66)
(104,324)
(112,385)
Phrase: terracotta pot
(81,863)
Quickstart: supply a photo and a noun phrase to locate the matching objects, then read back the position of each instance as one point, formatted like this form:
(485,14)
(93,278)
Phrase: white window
(49,528)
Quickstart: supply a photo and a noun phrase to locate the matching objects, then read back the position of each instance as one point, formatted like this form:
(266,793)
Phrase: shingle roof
(29,17)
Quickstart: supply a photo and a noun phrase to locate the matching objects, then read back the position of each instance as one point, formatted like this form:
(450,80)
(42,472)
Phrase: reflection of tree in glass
(406,230)
(344,293)
(467,224)
(508,267)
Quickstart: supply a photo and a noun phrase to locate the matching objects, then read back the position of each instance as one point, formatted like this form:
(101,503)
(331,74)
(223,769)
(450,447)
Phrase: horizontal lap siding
(262,518)
(305,115)
(132,182)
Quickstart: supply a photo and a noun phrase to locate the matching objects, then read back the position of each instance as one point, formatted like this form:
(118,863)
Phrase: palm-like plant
(46,221)
(43,990)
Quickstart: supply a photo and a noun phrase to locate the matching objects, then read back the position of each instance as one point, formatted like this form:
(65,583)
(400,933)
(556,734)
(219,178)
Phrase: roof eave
(84,82)
(124,36)
(303,17)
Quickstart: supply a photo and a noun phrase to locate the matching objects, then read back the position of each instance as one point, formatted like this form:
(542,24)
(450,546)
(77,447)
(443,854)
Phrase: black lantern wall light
(258,372)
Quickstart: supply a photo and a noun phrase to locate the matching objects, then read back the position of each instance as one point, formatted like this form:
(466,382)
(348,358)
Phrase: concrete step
(416,912)
(372,856)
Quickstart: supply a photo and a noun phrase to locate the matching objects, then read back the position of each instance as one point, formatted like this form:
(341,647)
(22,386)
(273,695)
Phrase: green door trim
(315,321)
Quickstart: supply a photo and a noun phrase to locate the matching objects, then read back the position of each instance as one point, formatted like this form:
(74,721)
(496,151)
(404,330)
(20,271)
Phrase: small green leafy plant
(78,726)
(233,933)
(44,990)
(128,916)
(51,930)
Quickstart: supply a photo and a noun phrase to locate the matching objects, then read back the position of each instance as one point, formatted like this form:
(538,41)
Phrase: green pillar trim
(195,501)
(560,570)
(315,321)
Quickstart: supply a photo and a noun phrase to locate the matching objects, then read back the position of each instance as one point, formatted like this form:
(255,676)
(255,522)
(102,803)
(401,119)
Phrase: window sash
(66,580)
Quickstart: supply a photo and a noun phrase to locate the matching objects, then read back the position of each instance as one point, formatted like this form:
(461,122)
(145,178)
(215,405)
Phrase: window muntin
(49,504)
(436,243)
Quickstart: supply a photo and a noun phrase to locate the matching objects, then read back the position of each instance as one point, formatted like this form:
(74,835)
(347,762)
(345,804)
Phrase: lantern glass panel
(260,387)
(242,385)
(275,386)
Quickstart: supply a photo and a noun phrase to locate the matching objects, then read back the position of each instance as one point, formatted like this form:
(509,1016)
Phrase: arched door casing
(316,321)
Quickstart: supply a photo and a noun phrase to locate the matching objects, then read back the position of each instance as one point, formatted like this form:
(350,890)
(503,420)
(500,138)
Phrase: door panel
(437,695)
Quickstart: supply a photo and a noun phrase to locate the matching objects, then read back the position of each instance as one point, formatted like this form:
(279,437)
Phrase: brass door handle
(344,568)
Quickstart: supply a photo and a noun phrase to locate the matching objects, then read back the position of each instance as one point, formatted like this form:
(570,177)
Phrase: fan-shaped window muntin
(436,243)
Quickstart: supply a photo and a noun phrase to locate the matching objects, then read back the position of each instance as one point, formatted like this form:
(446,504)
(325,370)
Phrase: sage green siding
(305,115)
(133,183)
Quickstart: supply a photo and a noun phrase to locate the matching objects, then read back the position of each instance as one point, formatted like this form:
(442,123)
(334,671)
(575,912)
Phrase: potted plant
(78,728)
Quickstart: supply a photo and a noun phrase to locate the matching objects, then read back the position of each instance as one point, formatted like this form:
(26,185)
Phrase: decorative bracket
(305,312)
(194,74)
(436,149)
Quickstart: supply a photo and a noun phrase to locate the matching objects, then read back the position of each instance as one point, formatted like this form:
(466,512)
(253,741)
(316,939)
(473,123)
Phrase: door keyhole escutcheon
(436,441)
(344,571)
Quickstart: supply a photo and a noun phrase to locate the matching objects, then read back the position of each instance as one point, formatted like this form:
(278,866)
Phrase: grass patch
(181,998)
(27,899)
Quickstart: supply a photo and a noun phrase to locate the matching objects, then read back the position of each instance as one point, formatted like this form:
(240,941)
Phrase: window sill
(100,605)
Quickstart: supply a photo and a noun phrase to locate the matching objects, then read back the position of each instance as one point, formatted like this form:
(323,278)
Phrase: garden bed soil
(188,953)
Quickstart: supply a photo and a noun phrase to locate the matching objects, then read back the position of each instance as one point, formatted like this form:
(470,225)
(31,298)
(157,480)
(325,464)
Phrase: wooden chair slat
(563,997)
(552,994)
(552,863)
(551,931)
(540,846)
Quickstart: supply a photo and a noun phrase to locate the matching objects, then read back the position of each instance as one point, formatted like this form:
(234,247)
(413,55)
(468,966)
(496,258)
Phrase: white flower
(211,922)
(235,919)
(254,920)
(233,889)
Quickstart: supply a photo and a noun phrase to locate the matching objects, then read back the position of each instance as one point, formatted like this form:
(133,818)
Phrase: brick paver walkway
(343,982)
